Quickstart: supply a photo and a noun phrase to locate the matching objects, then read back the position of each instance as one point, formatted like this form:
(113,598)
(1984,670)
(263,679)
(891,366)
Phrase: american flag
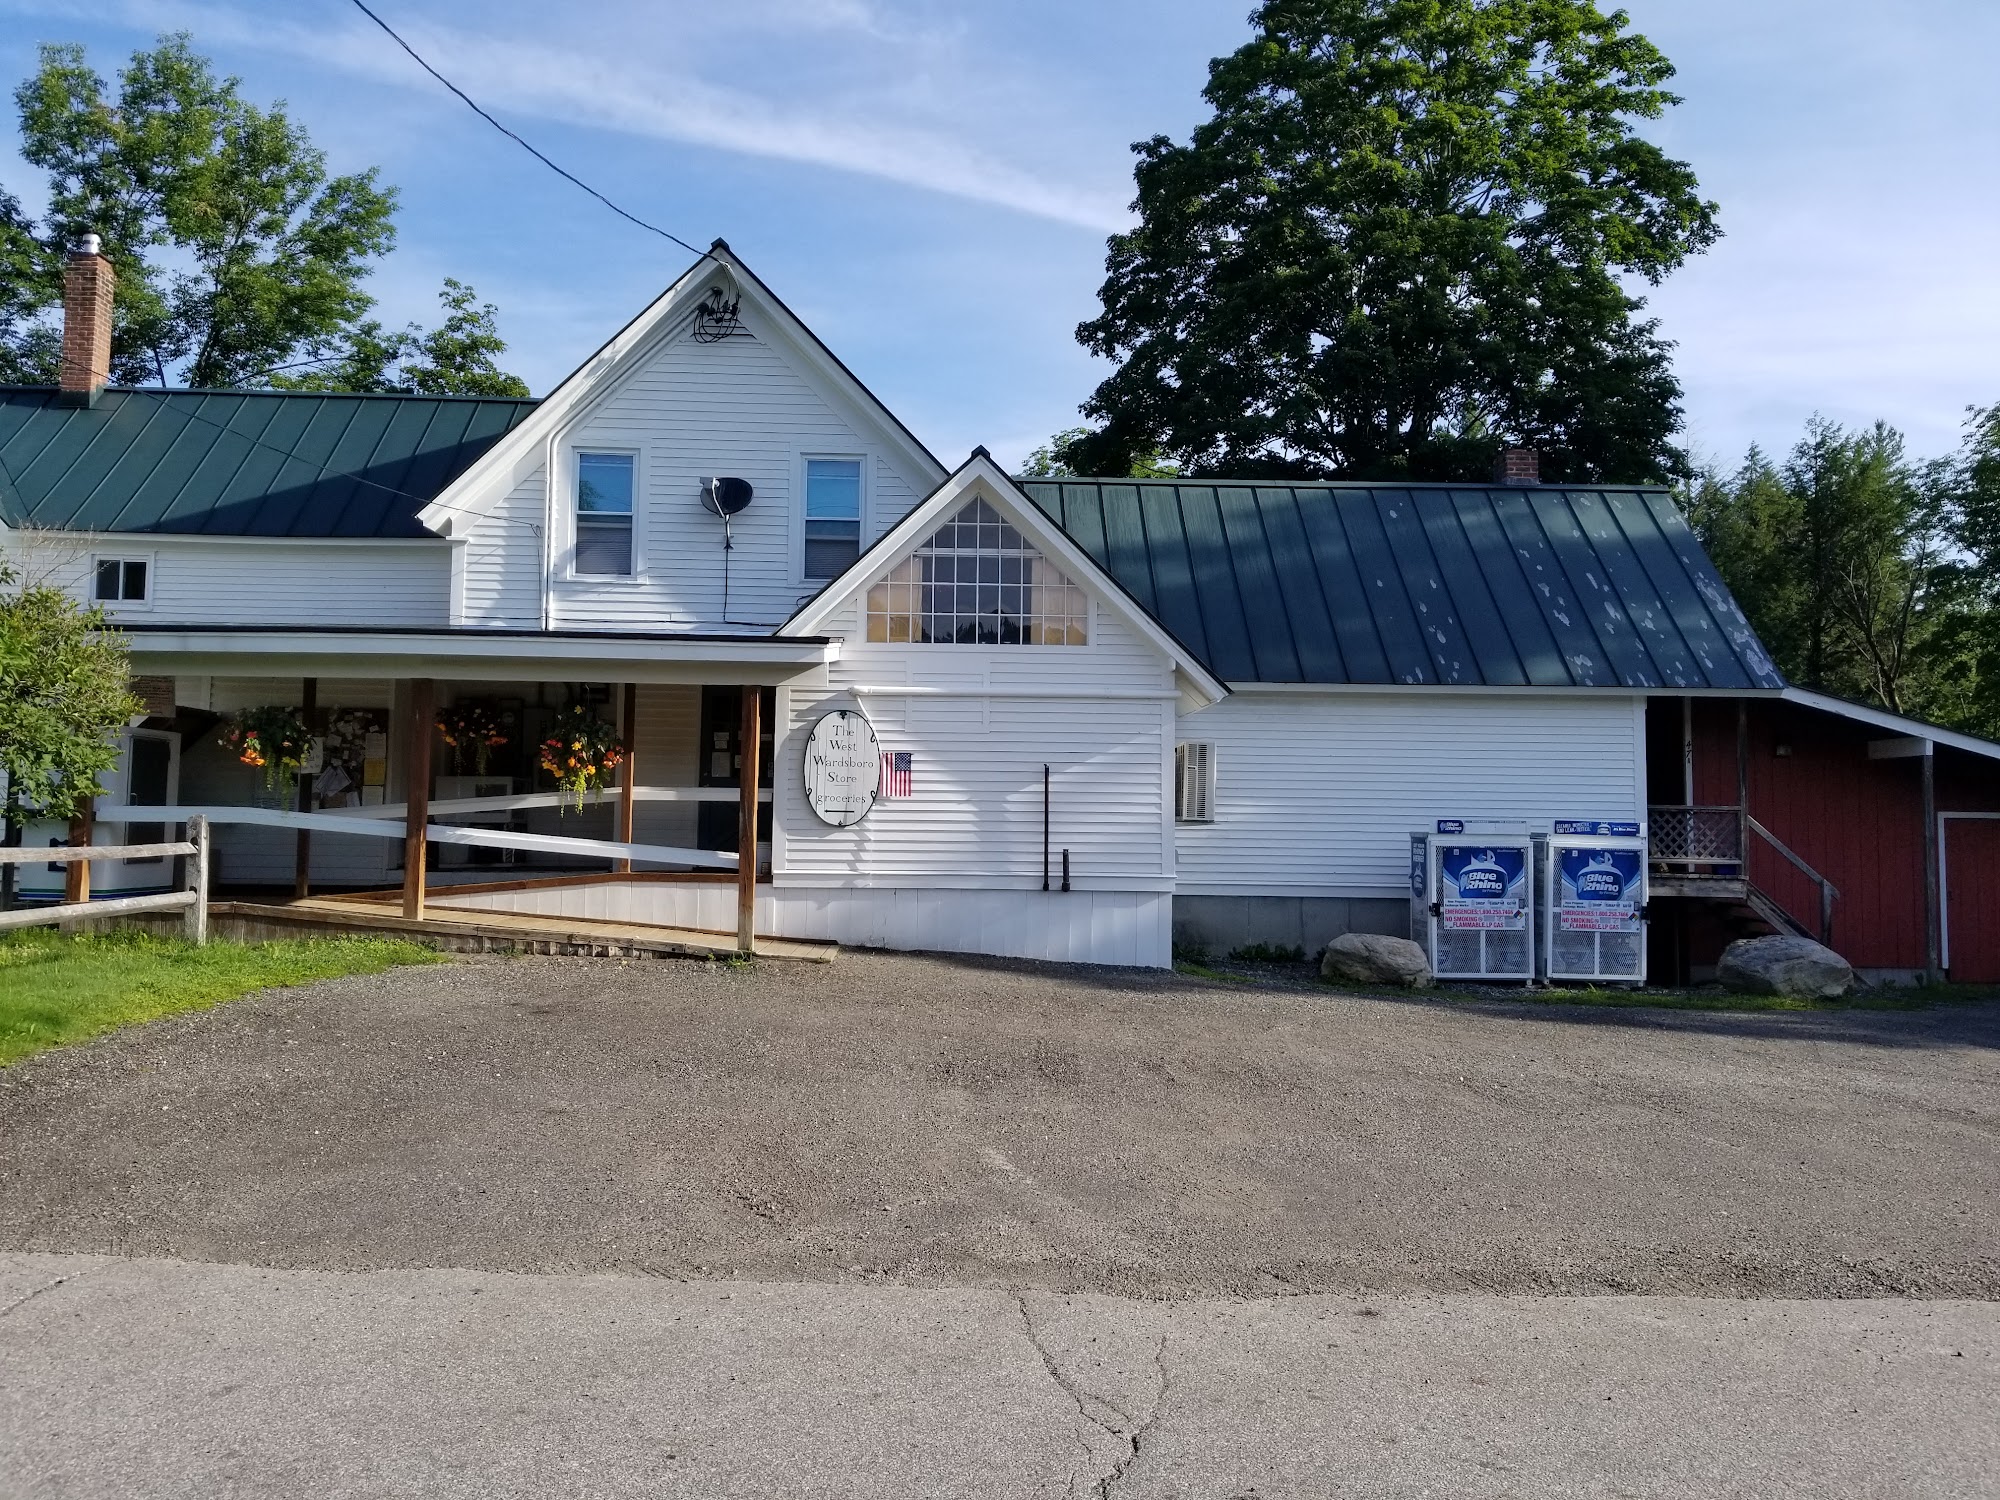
(895,773)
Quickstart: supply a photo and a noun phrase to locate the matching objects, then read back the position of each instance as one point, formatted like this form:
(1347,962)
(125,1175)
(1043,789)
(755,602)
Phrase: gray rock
(1370,958)
(1783,965)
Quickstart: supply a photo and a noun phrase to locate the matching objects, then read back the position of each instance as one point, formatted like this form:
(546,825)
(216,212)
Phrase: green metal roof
(238,463)
(1354,583)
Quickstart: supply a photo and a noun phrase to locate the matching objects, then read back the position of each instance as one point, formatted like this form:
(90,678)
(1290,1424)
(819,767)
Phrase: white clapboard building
(1052,719)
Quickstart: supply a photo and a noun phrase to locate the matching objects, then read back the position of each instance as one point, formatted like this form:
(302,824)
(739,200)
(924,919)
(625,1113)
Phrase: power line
(475,108)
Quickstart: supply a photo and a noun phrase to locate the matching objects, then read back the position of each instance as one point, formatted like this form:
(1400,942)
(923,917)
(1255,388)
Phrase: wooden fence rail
(192,898)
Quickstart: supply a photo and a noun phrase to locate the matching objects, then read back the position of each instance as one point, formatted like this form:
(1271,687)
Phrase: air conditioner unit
(1594,893)
(1473,899)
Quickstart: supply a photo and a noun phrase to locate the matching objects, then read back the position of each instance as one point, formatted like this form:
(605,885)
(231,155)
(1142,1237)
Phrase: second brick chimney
(1518,466)
(86,342)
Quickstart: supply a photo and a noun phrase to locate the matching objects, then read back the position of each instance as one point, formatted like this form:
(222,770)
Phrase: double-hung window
(121,580)
(833,515)
(604,486)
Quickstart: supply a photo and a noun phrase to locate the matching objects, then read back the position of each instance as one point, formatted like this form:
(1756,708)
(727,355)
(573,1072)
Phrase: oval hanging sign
(843,768)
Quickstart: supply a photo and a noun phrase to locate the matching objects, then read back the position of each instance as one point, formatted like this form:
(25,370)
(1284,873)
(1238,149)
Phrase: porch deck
(479,930)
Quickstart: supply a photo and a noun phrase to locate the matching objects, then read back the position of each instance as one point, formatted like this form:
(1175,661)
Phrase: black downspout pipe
(1045,826)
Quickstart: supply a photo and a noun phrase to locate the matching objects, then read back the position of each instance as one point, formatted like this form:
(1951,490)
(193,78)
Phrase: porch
(392,825)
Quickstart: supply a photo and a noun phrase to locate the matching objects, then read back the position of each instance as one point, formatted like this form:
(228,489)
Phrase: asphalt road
(187,1382)
(937,1123)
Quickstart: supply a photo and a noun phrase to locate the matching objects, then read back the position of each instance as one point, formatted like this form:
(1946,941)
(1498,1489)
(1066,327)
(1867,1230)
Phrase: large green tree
(458,357)
(1405,237)
(1851,560)
(238,253)
(65,692)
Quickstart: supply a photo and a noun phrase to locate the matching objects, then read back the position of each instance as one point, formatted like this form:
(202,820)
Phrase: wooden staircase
(1701,854)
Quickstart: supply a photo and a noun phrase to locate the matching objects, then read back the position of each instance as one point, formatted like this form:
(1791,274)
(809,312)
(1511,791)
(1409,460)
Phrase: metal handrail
(1828,891)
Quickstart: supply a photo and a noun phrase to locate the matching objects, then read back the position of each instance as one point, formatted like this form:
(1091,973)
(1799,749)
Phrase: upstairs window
(833,516)
(604,485)
(122,580)
(977,582)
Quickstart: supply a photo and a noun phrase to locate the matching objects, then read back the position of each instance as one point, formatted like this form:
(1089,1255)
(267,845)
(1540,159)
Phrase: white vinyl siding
(500,560)
(691,411)
(980,727)
(1318,795)
(225,582)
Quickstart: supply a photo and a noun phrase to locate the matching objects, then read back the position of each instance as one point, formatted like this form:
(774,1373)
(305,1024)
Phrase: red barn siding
(1857,821)
(1972,899)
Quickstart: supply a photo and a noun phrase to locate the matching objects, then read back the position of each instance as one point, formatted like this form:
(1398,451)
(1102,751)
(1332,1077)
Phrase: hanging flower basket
(272,738)
(581,752)
(471,728)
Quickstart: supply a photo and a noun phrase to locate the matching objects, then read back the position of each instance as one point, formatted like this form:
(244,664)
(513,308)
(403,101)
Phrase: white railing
(191,899)
(375,822)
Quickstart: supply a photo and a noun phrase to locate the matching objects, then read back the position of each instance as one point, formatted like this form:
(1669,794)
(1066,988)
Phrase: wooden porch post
(1743,784)
(627,802)
(1933,966)
(417,794)
(76,876)
(302,846)
(746,823)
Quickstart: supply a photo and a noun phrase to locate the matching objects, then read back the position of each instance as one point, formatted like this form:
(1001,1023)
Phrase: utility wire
(560,172)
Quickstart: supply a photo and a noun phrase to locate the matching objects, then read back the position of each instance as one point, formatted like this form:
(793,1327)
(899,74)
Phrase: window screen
(121,579)
(977,581)
(833,515)
(604,514)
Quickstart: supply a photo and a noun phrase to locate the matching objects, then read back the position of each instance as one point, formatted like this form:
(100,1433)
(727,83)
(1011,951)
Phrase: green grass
(56,989)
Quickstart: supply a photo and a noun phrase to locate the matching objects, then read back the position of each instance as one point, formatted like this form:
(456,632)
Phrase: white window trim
(1206,790)
(152,562)
(866,462)
(566,511)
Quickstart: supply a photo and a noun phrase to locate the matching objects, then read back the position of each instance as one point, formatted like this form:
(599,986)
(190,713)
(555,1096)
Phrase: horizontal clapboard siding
(737,407)
(261,583)
(501,560)
(975,816)
(1319,795)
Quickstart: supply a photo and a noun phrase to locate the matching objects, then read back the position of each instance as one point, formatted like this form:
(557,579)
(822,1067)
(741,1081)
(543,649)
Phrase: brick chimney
(1518,466)
(86,344)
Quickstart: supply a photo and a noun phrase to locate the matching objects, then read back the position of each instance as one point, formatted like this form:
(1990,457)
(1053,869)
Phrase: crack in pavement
(1125,1431)
(47,1286)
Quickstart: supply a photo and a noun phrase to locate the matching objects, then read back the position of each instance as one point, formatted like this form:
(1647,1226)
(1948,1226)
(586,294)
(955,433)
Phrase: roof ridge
(1202,482)
(252,390)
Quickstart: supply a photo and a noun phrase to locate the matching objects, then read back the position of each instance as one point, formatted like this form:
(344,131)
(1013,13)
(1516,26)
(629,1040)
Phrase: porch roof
(472,654)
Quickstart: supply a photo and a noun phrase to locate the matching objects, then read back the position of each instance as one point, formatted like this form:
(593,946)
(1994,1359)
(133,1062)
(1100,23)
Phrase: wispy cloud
(651,92)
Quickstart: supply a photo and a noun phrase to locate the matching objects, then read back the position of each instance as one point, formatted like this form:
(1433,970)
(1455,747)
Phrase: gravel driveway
(949,1123)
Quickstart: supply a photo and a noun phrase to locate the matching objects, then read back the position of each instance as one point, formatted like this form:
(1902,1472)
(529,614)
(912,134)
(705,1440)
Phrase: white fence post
(197,880)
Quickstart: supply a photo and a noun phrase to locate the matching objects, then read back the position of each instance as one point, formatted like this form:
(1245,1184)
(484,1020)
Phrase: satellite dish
(725,497)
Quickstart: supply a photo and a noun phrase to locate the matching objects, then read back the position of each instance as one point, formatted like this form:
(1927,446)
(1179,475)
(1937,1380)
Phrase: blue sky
(929,184)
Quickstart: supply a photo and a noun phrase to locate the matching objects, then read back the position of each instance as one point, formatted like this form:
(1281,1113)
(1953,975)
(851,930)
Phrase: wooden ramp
(468,930)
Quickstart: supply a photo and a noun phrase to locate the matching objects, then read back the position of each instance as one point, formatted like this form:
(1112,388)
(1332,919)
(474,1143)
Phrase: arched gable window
(977,582)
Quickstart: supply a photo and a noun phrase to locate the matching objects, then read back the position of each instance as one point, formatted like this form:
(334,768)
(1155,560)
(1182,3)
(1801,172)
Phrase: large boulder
(1370,958)
(1795,967)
